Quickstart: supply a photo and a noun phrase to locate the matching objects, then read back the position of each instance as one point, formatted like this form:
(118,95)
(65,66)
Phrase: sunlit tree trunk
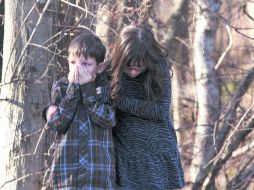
(24,93)
(207,89)
(109,22)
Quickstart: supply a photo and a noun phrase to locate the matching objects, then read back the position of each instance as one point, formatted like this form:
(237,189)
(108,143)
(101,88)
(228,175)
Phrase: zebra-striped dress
(145,142)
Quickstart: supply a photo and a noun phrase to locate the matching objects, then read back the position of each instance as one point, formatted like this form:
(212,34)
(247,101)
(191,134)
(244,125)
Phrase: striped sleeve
(151,110)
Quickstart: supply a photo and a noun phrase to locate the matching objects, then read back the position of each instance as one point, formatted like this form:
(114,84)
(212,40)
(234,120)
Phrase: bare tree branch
(237,29)
(235,142)
(13,47)
(227,49)
(243,149)
(229,116)
(243,178)
(246,12)
(87,12)
(29,40)
(21,178)
(229,138)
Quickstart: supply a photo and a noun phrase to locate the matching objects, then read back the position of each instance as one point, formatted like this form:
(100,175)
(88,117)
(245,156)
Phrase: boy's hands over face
(73,75)
(84,75)
(80,75)
(82,69)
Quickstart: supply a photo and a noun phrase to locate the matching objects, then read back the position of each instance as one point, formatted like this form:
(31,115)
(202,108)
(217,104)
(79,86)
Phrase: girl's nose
(133,72)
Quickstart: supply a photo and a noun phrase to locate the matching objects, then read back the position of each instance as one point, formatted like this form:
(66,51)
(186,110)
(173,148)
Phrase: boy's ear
(101,67)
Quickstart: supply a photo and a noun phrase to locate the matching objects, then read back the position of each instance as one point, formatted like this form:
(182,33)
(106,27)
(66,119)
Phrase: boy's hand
(73,76)
(50,112)
(84,75)
(98,90)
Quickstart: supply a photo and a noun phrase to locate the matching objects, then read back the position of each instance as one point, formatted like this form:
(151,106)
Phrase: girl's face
(134,71)
(89,62)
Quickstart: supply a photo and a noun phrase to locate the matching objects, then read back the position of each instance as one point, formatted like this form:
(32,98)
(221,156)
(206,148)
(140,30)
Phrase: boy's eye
(72,62)
(86,64)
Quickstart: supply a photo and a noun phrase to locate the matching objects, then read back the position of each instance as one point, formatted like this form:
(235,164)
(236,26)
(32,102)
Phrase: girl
(145,142)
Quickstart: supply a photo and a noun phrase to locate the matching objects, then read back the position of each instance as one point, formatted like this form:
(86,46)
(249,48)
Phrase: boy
(82,115)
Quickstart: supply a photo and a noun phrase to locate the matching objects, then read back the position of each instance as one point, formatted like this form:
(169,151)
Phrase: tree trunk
(207,89)
(179,57)
(108,23)
(24,93)
(163,16)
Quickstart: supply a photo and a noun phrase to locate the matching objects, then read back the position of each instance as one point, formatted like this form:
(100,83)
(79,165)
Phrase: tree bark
(182,88)
(108,23)
(207,89)
(24,93)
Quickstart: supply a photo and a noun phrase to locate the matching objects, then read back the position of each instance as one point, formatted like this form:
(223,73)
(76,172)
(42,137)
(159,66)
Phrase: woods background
(211,49)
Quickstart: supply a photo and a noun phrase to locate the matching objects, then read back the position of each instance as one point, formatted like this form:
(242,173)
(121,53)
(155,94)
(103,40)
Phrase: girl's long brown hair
(136,45)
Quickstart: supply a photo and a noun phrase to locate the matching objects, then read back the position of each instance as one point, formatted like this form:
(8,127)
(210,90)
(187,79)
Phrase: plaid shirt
(84,155)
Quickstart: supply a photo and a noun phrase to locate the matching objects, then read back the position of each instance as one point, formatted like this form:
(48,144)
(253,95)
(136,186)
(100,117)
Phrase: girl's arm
(99,109)
(152,110)
(65,105)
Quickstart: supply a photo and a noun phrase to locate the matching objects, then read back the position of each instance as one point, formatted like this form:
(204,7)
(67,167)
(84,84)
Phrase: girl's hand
(84,75)
(50,112)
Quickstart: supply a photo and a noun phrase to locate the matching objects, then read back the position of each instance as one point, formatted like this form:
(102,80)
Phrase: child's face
(89,63)
(134,71)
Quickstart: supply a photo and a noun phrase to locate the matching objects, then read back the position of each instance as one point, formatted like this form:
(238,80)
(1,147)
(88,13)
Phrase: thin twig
(23,138)
(19,179)
(246,12)
(243,149)
(42,132)
(86,11)
(14,43)
(29,40)
(227,49)
(229,137)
